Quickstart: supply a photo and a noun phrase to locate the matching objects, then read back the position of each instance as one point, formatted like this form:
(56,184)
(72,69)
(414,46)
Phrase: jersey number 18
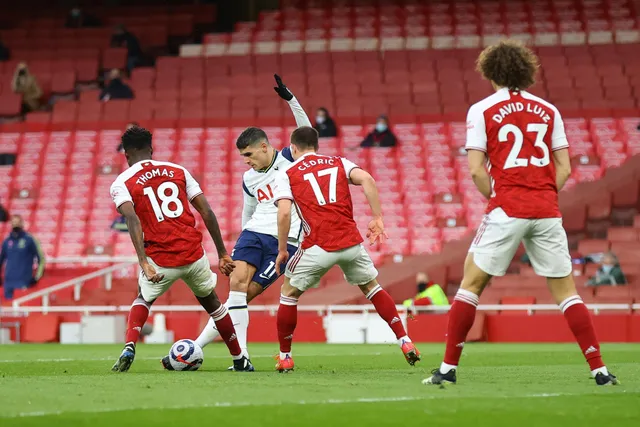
(164,210)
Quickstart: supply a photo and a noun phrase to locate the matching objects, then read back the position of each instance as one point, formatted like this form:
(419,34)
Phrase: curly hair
(136,138)
(508,64)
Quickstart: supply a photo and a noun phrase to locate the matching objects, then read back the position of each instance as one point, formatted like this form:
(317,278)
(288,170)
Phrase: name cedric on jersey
(304,165)
(515,107)
(142,179)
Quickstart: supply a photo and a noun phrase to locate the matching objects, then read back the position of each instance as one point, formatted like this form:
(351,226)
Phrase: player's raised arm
(201,204)
(364,179)
(135,231)
(298,112)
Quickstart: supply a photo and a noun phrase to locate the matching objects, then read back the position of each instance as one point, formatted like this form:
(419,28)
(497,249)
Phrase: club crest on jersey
(262,195)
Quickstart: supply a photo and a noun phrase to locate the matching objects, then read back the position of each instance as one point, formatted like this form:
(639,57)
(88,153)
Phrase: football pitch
(333,385)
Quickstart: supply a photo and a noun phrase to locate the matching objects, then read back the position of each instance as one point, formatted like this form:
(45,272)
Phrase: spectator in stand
(609,273)
(381,136)
(116,88)
(429,293)
(325,125)
(123,38)
(4,52)
(4,215)
(26,84)
(20,251)
(77,18)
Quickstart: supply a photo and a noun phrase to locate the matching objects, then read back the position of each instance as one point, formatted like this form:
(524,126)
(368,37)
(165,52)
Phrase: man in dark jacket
(116,88)
(381,136)
(4,52)
(20,251)
(123,38)
(325,125)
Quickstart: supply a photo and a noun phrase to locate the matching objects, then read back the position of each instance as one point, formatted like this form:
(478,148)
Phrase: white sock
(284,355)
(208,334)
(237,305)
(403,340)
(445,367)
(603,370)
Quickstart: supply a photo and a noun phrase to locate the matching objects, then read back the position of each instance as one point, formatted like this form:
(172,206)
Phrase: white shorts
(198,276)
(306,267)
(499,236)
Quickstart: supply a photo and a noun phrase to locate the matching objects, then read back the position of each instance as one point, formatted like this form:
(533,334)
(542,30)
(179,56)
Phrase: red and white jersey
(319,187)
(519,132)
(160,193)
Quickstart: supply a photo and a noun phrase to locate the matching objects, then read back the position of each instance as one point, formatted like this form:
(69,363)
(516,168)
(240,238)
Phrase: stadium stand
(413,62)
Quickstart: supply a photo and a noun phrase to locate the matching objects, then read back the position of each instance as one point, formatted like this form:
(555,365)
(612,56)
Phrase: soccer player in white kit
(255,252)
(521,140)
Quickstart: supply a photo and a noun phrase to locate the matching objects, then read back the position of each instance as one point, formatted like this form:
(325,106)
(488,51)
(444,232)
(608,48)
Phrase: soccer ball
(186,355)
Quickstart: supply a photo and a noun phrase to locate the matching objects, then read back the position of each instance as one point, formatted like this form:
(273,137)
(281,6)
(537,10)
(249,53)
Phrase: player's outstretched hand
(283,257)
(375,231)
(150,273)
(226,265)
(282,90)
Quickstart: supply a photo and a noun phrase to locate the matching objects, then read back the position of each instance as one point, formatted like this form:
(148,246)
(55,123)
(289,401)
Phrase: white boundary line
(293,403)
(115,356)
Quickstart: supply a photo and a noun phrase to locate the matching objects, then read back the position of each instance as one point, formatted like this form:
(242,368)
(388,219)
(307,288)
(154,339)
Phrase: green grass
(333,385)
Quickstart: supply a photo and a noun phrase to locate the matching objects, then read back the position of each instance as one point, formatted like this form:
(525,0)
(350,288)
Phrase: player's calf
(386,309)
(137,317)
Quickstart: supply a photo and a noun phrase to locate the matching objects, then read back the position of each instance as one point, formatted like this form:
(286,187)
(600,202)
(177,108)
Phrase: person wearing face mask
(116,88)
(609,273)
(26,84)
(20,252)
(381,136)
(429,293)
(325,125)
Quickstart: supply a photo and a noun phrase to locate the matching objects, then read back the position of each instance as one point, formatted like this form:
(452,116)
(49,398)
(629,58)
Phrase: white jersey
(259,213)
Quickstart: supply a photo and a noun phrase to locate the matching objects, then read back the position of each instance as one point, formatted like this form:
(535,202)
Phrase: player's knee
(368,287)
(289,291)
(238,283)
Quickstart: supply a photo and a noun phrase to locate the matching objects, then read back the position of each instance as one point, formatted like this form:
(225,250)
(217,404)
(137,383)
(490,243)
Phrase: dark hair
(325,111)
(136,138)
(251,136)
(305,137)
(508,64)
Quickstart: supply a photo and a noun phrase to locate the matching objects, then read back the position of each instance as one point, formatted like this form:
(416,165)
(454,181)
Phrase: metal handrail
(76,282)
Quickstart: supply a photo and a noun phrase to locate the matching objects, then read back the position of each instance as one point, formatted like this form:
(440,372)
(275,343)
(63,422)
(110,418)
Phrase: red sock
(287,321)
(579,320)
(224,324)
(137,317)
(386,309)
(461,317)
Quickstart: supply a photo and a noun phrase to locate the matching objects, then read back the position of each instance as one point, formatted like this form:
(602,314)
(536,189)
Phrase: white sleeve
(299,113)
(193,188)
(558,136)
(348,167)
(282,188)
(119,193)
(476,130)
(248,208)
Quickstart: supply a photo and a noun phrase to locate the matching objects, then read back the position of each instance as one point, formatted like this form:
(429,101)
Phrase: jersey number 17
(317,191)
